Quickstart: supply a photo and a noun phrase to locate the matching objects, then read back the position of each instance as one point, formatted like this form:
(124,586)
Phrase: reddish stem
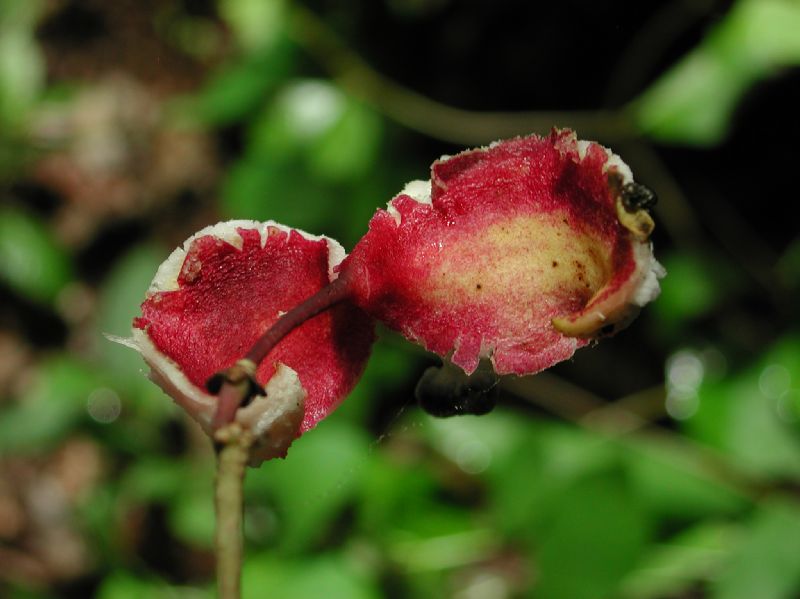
(230,397)
(322,300)
(232,393)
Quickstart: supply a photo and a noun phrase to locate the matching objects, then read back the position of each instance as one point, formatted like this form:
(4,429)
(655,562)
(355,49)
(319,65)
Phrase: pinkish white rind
(166,278)
(273,420)
(649,289)
(418,190)
(613,162)
(168,375)
(616,163)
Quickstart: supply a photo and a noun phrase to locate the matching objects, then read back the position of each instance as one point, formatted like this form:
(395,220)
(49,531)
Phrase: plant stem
(327,297)
(234,442)
(231,462)
(234,389)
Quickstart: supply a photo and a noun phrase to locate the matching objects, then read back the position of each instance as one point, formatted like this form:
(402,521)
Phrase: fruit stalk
(238,382)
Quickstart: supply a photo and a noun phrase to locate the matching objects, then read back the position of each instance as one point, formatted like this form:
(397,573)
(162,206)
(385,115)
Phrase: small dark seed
(445,391)
(636,196)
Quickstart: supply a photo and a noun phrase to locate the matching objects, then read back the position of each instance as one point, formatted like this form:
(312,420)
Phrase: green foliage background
(664,463)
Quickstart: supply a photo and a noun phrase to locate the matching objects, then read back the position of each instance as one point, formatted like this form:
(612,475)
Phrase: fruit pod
(519,253)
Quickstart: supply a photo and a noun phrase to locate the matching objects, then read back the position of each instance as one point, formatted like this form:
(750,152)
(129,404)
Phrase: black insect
(636,196)
(448,391)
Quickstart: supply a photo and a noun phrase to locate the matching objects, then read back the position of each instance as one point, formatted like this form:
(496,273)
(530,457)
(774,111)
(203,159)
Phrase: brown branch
(438,120)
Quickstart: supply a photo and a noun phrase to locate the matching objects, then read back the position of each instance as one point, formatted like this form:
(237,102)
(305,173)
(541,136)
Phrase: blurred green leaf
(531,482)
(18,593)
(120,296)
(779,379)
(303,150)
(443,538)
(747,416)
(767,562)
(312,487)
(696,285)
(788,266)
(477,444)
(184,487)
(671,483)
(191,513)
(300,114)
(313,120)
(420,521)
(425,534)
(365,195)
(122,585)
(22,69)
(30,260)
(256,23)
(329,575)
(388,368)
(392,491)
(350,147)
(692,556)
(281,192)
(49,408)
(156,479)
(693,102)
(591,539)
(98,516)
(195,36)
(238,90)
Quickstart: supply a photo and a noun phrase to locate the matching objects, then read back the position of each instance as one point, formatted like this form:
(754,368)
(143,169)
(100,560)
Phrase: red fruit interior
(515,236)
(228,297)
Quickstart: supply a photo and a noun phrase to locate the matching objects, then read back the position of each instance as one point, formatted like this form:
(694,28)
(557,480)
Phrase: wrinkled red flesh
(228,297)
(539,191)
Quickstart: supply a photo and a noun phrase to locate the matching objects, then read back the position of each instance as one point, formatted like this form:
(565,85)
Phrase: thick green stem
(234,447)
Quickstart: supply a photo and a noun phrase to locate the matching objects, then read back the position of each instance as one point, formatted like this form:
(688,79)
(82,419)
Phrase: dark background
(661,463)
